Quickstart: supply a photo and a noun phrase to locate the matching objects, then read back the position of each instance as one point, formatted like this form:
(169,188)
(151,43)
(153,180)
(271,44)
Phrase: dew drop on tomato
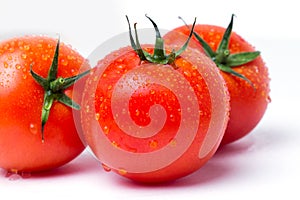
(14,175)
(122,171)
(105,167)
(18,66)
(33,128)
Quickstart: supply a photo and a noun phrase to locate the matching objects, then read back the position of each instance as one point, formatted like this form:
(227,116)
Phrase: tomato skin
(122,94)
(21,100)
(247,104)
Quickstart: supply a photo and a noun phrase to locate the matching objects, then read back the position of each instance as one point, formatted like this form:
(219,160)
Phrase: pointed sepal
(222,56)
(224,44)
(159,55)
(47,104)
(229,70)
(54,88)
(71,80)
(63,98)
(54,65)
(40,80)
(234,60)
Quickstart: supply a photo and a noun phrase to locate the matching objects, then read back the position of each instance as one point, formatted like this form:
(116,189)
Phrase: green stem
(222,56)
(57,84)
(48,101)
(159,55)
(54,88)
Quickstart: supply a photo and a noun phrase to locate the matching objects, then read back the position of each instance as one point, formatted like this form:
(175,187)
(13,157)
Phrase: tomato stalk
(224,60)
(54,88)
(159,55)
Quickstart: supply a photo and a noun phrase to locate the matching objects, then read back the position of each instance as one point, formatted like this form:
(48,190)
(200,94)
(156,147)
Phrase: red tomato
(21,102)
(154,122)
(248,82)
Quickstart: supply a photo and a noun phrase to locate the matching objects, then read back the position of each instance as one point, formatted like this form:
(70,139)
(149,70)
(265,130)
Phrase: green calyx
(159,55)
(222,56)
(54,88)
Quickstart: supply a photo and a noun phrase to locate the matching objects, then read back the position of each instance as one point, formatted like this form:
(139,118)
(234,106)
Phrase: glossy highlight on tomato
(22,148)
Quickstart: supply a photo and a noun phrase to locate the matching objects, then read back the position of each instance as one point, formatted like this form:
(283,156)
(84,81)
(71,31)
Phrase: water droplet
(122,171)
(11,49)
(269,100)
(39,45)
(152,92)
(116,54)
(109,87)
(172,118)
(106,168)
(120,66)
(187,73)
(106,130)
(194,67)
(26,47)
(115,144)
(97,116)
(135,78)
(24,56)
(153,144)
(87,108)
(25,174)
(119,60)
(5,64)
(18,66)
(14,174)
(64,62)
(173,143)
(44,57)
(50,46)
(33,128)
(71,57)
(14,171)
(137,112)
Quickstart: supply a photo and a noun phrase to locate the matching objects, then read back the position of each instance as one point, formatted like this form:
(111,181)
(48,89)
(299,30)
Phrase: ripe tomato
(243,69)
(21,103)
(154,121)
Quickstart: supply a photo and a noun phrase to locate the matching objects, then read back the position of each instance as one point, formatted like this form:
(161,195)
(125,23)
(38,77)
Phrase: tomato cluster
(151,113)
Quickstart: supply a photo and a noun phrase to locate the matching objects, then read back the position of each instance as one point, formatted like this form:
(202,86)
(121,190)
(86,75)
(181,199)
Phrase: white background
(265,164)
